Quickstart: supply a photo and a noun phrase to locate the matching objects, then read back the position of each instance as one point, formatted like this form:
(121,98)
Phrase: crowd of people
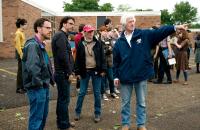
(176,46)
(117,60)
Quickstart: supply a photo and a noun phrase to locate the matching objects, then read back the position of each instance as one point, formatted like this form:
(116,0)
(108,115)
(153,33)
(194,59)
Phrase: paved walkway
(170,107)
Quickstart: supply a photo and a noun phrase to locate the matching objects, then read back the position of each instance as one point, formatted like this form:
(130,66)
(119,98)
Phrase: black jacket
(63,60)
(80,63)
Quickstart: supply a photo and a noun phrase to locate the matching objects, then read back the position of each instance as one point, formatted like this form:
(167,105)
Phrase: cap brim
(89,30)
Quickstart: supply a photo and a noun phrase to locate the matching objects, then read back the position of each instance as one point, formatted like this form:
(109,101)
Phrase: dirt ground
(170,107)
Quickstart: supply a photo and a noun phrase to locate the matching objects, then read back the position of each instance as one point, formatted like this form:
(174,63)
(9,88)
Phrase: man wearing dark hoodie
(63,64)
(133,66)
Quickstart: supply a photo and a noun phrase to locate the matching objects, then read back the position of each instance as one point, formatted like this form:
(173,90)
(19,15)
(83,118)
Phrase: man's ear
(39,29)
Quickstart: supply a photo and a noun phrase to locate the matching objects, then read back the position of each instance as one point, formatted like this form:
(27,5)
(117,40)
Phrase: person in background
(19,41)
(172,40)
(108,24)
(112,35)
(79,35)
(90,63)
(107,45)
(63,64)
(164,67)
(197,52)
(37,74)
(154,53)
(182,56)
(77,39)
(132,66)
(188,51)
(119,29)
(72,44)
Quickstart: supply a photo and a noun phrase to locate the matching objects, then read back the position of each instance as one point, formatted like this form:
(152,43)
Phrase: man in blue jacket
(37,73)
(132,66)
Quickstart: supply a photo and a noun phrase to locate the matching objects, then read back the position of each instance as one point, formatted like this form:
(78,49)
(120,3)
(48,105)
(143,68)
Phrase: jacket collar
(135,35)
(41,44)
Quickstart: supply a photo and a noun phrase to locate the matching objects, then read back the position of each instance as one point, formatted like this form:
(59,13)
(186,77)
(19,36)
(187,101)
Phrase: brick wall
(78,20)
(11,10)
(6,50)
(147,21)
(30,13)
(142,21)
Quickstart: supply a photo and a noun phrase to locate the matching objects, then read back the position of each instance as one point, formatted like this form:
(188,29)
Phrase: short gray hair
(124,17)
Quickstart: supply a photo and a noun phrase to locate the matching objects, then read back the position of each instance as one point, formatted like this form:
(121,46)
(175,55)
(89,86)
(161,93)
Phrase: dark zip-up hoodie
(63,60)
(134,64)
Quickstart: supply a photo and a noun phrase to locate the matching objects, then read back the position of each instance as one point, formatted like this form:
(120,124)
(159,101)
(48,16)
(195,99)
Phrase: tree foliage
(106,7)
(197,25)
(166,17)
(87,5)
(183,13)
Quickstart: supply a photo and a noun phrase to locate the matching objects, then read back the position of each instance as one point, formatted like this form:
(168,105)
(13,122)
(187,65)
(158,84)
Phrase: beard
(46,37)
(88,40)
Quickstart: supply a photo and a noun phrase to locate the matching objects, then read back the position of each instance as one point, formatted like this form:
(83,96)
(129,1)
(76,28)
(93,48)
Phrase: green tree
(197,25)
(184,13)
(86,5)
(166,17)
(106,7)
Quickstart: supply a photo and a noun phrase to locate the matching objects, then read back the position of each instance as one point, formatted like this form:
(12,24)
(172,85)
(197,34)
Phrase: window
(100,21)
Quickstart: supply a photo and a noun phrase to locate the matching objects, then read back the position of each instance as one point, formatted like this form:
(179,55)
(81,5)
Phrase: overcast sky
(156,5)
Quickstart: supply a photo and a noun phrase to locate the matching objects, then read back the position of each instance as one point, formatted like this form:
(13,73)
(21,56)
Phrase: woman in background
(197,52)
(19,41)
(182,56)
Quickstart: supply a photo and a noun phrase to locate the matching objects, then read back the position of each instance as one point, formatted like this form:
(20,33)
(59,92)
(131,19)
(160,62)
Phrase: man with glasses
(37,73)
(63,64)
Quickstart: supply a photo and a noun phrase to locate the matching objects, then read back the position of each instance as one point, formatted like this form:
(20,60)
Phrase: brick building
(10,10)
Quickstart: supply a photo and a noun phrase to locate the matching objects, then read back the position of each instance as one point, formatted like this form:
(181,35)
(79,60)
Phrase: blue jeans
(109,77)
(126,92)
(63,99)
(96,83)
(103,84)
(39,106)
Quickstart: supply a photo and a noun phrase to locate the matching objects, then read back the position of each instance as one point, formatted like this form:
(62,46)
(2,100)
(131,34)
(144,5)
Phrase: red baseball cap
(88,28)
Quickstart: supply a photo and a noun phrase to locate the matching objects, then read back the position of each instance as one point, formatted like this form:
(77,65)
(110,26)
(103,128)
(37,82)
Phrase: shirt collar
(129,34)
(21,30)
(42,45)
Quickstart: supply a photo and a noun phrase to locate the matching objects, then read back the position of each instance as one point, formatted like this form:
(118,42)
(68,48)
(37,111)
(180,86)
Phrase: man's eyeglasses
(49,28)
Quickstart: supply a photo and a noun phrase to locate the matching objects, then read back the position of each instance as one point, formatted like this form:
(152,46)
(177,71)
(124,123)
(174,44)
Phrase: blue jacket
(36,66)
(134,64)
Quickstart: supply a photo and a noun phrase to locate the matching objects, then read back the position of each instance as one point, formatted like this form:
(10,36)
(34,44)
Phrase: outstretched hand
(181,27)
